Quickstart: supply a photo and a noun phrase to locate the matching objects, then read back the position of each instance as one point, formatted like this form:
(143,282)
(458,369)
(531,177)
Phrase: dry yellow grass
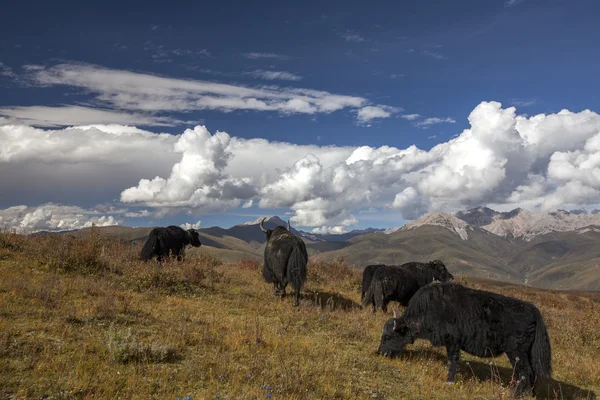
(83,318)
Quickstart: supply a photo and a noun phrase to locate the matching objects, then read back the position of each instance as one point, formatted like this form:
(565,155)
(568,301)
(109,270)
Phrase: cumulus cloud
(410,203)
(274,75)
(145,93)
(187,225)
(81,165)
(539,162)
(330,230)
(198,180)
(52,217)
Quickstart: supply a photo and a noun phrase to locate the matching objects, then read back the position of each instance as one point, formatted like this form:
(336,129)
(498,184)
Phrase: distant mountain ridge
(557,250)
(527,225)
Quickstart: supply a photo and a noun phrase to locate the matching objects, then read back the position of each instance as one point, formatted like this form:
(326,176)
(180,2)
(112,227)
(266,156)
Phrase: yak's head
(440,272)
(269,232)
(194,237)
(394,337)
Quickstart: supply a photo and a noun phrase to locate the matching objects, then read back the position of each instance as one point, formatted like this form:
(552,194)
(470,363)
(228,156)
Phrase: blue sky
(414,70)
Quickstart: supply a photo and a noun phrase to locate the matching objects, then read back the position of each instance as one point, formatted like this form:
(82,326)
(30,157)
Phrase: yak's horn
(395,314)
(288,227)
(261,225)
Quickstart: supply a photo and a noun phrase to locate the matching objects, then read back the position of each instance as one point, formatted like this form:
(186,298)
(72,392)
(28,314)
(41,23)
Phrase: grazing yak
(285,260)
(401,282)
(481,323)
(367,277)
(169,241)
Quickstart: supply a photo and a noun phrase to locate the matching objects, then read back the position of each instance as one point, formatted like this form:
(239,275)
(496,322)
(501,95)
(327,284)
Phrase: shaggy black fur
(367,277)
(285,261)
(400,282)
(481,323)
(169,241)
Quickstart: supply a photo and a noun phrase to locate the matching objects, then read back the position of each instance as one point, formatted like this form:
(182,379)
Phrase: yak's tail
(267,274)
(297,269)
(150,247)
(541,353)
(374,294)
(364,286)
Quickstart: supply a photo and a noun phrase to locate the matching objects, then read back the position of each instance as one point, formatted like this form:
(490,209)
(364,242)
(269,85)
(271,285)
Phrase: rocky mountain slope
(526,225)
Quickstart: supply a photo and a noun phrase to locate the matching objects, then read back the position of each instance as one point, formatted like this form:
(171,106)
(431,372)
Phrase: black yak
(367,277)
(481,323)
(169,241)
(401,282)
(285,260)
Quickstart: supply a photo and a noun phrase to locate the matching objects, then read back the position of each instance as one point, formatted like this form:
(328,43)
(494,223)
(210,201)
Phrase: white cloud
(410,203)
(352,36)
(510,3)
(187,225)
(539,162)
(124,90)
(523,102)
(274,75)
(367,114)
(410,117)
(78,115)
(197,180)
(52,217)
(330,230)
(427,122)
(137,214)
(5,70)
(187,52)
(433,54)
(254,56)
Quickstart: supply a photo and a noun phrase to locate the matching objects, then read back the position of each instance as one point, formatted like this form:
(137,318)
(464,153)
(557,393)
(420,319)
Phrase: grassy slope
(86,318)
(482,254)
(562,261)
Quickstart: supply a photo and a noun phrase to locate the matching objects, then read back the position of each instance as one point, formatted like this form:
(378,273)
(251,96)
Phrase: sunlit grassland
(84,318)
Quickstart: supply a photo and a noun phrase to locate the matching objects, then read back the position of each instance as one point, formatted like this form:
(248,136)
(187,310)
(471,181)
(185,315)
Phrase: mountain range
(558,250)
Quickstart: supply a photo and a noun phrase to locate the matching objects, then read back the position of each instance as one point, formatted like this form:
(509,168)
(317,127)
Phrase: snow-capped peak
(275,219)
(439,218)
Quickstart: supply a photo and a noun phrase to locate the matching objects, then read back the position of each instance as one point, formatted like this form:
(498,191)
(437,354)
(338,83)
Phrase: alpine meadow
(300,200)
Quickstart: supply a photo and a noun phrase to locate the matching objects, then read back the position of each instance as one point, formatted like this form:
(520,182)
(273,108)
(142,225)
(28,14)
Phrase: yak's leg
(384,305)
(373,304)
(276,288)
(297,298)
(453,354)
(523,373)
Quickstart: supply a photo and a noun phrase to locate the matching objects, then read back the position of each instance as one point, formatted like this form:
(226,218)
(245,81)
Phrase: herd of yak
(482,323)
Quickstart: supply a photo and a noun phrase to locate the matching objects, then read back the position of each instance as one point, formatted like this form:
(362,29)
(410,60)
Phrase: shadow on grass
(329,301)
(482,371)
